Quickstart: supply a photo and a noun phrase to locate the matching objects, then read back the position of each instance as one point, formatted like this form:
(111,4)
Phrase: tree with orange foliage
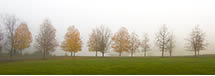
(121,41)
(72,41)
(22,38)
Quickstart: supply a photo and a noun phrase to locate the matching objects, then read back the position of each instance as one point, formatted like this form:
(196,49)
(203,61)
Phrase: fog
(136,15)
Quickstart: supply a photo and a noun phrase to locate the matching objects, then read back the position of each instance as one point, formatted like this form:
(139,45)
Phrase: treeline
(18,37)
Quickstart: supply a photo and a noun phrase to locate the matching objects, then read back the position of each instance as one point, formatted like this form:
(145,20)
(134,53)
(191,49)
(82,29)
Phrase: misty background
(138,16)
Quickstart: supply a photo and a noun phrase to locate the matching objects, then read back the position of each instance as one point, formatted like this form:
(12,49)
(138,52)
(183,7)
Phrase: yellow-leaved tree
(72,41)
(22,38)
(121,41)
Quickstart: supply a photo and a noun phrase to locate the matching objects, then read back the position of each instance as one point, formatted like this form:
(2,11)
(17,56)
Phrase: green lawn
(112,66)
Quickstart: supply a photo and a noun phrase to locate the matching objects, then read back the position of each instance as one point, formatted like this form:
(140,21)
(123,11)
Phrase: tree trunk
(0,51)
(96,53)
(71,53)
(11,54)
(44,54)
(195,52)
(170,53)
(103,54)
(144,52)
(12,48)
(74,53)
(162,51)
(14,52)
(120,53)
(198,52)
(131,53)
(163,46)
(21,53)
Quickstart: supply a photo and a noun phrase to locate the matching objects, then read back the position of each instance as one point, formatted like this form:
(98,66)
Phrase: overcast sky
(136,15)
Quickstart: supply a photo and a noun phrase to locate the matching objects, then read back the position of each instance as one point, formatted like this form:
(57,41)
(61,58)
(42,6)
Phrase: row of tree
(18,37)
(122,41)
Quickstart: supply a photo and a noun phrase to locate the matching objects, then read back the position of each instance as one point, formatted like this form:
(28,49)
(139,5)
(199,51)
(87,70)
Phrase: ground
(112,66)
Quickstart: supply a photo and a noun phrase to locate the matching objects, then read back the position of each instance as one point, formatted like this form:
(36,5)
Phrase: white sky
(137,15)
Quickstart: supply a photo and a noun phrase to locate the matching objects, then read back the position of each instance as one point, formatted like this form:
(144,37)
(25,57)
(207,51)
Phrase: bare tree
(171,44)
(1,38)
(145,43)
(196,40)
(93,41)
(100,40)
(162,39)
(104,39)
(10,22)
(134,43)
(46,39)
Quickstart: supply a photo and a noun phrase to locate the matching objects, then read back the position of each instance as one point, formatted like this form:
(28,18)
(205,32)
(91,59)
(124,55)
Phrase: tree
(134,43)
(145,43)
(121,41)
(100,40)
(1,38)
(22,38)
(93,42)
(104,39)
(171,44)
(72,42)
(196,40)
(10,22)
(162,39)
(46,39)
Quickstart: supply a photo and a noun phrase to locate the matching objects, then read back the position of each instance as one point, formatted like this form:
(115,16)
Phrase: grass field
(112,66)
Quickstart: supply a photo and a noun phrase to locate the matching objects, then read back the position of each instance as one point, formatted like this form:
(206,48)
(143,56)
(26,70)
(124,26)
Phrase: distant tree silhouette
(10,22)
(145,43)
(100,40)
(162,39)
(93,42)
(134,43)
(196,40)
(171,44)
(46,39)
(1,38)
